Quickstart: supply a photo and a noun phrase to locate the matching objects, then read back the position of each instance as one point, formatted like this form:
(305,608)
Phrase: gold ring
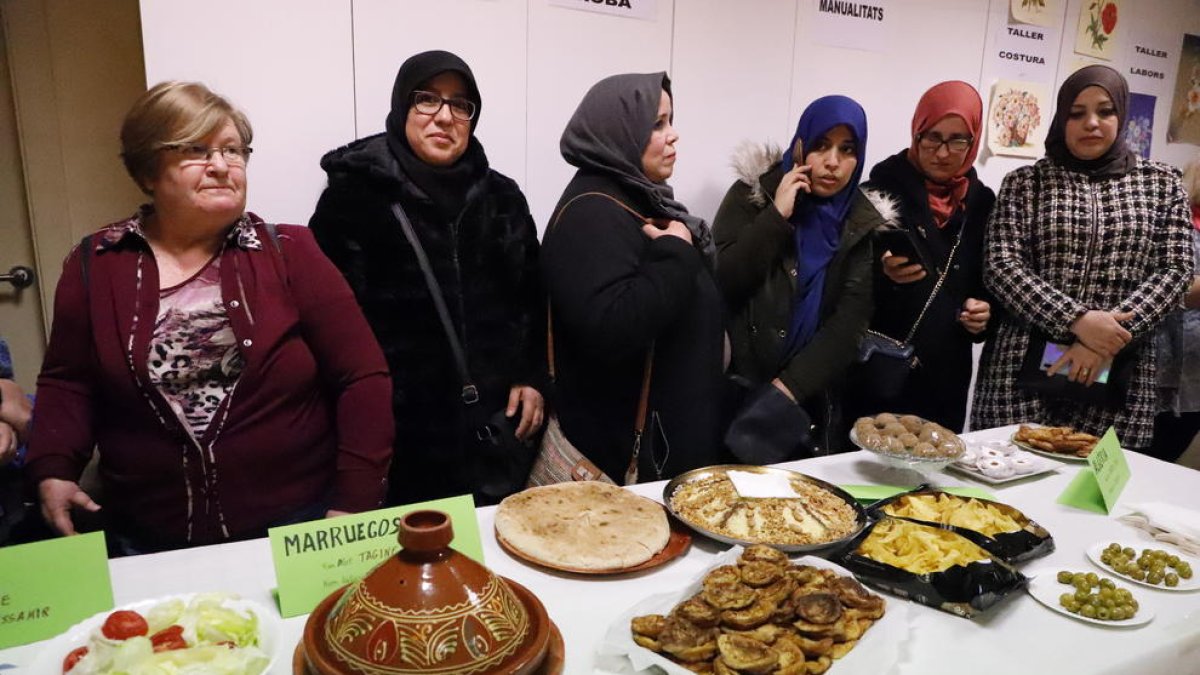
(1085,371)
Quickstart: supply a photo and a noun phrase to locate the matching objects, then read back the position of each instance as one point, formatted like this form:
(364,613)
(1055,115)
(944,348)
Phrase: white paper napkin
(877,652)
(1168,523)
(761,485)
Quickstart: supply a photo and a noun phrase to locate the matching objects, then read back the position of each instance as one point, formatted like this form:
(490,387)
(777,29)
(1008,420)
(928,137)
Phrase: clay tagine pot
(427,609)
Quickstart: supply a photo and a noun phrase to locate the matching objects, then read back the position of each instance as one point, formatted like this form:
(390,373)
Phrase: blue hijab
(818,220)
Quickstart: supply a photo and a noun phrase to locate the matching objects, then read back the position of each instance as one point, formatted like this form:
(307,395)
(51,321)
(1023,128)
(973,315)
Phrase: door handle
(19,276)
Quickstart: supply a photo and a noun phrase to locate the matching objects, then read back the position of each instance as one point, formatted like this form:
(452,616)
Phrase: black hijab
(1118,159)
(446,186)
(609,132)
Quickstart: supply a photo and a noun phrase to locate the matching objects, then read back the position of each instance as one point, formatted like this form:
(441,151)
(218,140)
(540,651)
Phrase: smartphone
(901,243)
(1054,352)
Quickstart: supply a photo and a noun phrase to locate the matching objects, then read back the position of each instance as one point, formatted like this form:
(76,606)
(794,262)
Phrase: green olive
(1171,580)
(1107,585)
(1089,611)
(1138,574)
(1184,570)
(1173,560)
(1065,577)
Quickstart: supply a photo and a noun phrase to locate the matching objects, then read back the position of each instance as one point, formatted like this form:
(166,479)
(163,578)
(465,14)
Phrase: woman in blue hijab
(794,262)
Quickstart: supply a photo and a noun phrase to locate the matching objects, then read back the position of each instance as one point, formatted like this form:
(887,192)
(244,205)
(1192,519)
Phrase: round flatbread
(585,525)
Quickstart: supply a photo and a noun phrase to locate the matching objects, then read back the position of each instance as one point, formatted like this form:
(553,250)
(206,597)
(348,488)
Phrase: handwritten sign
(47,587)
(1097,486)
(314,559)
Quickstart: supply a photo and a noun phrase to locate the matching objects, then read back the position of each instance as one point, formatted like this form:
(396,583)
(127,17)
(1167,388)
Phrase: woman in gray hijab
(1087,250)
(629,273)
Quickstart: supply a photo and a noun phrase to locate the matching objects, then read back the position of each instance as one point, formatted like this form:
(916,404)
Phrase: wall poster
(1018,118)
(1184,125)
(1140,128)
(1100,24)
(1046,13)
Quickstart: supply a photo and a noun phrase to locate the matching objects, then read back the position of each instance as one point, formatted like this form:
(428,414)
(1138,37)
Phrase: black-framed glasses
(429,103)
(934,142)
(234,155)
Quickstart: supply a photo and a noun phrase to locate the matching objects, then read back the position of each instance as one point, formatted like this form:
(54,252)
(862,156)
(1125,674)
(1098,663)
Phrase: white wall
(316,74)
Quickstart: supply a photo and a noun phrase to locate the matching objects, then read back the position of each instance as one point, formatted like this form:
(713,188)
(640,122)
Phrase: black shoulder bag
(887,362)
(501,462)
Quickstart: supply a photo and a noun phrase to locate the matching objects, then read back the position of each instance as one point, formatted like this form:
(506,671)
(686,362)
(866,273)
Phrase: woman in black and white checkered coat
(1089,248)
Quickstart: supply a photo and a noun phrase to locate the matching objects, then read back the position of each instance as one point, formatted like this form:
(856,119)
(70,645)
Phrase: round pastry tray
(679,541)
(697,474)
(908,460)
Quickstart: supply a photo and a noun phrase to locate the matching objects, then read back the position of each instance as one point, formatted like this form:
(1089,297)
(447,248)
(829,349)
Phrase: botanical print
(1140,128)
(1184,125)
(1098,23)
(1037,12)
(1017,118)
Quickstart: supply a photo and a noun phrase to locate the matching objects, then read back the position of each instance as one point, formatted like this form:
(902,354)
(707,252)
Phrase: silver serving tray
(816,549)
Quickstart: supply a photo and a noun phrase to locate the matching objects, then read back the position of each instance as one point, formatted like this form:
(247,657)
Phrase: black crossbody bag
(501,462)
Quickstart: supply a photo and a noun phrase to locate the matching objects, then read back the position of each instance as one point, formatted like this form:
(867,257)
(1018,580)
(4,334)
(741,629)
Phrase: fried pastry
(795,624)
(728,595)
(697,611)
(686,641)
(819,608)
(757,573)
(747,655)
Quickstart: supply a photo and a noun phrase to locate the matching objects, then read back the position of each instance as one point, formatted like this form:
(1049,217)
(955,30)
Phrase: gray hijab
(610,130)
(1118,160)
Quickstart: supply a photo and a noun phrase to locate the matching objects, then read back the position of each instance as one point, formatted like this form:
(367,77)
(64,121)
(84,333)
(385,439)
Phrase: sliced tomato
(124,624)
(74,657)
(168,638)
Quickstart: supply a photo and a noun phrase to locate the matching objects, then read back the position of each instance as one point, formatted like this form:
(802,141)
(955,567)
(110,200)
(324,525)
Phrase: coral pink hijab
(948,98)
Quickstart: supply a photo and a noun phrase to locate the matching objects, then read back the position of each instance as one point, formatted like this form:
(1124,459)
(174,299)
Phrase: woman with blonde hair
(204,352)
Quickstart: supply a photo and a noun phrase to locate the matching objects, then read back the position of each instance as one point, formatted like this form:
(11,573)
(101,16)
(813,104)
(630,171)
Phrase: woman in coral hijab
(943,209)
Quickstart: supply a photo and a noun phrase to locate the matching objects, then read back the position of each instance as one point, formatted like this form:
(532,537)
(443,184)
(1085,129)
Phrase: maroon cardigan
(308,422)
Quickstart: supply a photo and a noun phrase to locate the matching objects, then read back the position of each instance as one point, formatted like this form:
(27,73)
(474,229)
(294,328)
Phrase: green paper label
(47,587)
(873,493)
(316,558)
(1097,487)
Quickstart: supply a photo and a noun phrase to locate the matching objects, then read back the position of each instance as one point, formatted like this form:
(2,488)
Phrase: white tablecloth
(1018,636)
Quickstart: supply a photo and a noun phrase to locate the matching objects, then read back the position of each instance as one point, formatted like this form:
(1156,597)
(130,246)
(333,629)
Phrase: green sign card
(314,559)
(873,493)
(1097,486)
(47,587)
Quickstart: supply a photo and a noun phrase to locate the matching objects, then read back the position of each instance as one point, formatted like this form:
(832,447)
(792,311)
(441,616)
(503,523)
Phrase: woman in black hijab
(473,225)
(629,272)
(1088,249)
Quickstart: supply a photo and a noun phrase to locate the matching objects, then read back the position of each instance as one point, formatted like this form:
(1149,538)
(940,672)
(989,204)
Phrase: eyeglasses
(934,142)
(429,103)
(202,154)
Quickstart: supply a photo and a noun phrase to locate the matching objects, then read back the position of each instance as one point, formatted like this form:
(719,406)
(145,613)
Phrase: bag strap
(470,393)
(938,286)
(643,409)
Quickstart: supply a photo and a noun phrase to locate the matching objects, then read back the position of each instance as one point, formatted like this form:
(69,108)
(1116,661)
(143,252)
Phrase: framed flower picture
(1018,118)
(1100,24)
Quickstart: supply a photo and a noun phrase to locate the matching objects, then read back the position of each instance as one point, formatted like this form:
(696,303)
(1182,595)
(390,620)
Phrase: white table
(1018,636)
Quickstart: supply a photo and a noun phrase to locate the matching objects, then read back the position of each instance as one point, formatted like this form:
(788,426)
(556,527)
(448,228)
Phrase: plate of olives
(1146,565)
(1087,596)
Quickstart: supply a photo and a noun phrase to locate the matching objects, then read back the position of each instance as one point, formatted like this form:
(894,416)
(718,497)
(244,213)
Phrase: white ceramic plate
(1185,585)
(53,651)
(1042,466)
(1044,587)
(1062,457)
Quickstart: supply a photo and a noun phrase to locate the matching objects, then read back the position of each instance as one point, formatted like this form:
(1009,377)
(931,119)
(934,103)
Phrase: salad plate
(187,610)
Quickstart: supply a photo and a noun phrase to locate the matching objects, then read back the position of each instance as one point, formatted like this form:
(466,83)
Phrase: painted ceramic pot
(427,609)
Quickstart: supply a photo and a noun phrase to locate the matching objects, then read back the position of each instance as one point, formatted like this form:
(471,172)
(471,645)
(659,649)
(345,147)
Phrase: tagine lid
(427,609)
